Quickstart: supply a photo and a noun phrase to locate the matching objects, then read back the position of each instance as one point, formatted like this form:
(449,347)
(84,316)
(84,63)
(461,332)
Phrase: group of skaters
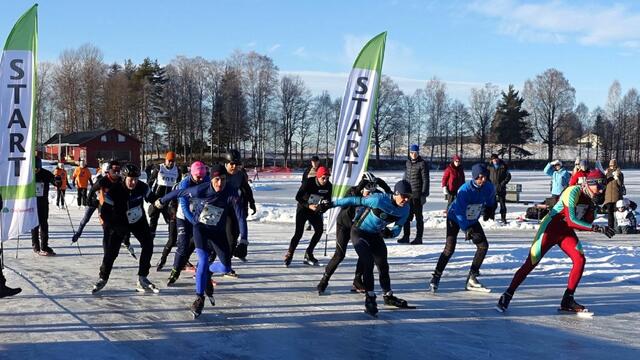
(371,211)
(206,209)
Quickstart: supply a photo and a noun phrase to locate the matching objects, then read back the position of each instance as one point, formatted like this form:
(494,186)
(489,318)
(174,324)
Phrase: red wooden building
(92,146)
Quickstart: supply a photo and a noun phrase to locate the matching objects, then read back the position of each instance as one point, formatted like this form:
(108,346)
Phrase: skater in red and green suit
(575,210)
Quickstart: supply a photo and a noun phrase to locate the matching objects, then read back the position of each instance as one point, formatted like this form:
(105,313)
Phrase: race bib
(210,215)
(133,215)
(624,222)
(166,180)
(314,199)
(39,189)
(473,211)
(581,210)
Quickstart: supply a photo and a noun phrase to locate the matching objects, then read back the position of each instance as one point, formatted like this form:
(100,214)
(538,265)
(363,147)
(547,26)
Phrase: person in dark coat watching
(614,191)
(500,176)
(417,174)
(452,179)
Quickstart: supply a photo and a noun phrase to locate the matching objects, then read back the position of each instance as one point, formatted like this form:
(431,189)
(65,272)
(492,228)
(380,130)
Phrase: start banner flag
(356,117)
(18,127)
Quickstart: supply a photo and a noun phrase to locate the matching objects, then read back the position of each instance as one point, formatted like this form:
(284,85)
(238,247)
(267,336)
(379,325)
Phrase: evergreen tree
(509,126)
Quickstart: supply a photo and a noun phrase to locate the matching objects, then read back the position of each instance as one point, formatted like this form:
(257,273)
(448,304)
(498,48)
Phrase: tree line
(201,107)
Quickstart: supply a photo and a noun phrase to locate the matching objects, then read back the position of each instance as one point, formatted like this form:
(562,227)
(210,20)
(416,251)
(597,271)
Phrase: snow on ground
(273,312)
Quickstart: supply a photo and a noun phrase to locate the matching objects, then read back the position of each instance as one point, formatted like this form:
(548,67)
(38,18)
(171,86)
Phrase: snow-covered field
(274,312)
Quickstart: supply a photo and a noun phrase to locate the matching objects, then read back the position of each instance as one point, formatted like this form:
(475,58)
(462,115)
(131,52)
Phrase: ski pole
(2,254)
(326,239)
(18,246)
(72,228)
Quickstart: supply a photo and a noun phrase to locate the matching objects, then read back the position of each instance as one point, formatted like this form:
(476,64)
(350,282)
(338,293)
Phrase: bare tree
(547,98)
(460,123)
(293,101)
(482,107)
(45,106)
(388,112)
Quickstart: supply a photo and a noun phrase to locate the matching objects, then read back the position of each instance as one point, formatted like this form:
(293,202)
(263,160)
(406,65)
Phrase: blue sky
(464,43)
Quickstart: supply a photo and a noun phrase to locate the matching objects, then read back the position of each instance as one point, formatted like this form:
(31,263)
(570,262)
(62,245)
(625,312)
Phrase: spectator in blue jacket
(560,178)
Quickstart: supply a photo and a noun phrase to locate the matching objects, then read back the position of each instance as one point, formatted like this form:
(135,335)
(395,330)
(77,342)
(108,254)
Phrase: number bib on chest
(134,214)
(473,211)
(210,215)
(39,189)
(314,199)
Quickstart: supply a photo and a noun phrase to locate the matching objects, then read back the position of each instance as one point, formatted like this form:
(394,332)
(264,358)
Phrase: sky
(463,43)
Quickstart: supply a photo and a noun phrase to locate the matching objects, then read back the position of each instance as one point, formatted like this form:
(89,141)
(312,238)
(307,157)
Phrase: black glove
(252,206)
(323,206)
(386,233)
(240,251)
(468,234)
(609,232)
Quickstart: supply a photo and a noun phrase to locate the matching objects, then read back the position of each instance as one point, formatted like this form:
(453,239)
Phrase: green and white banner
(356,118)
(18,131)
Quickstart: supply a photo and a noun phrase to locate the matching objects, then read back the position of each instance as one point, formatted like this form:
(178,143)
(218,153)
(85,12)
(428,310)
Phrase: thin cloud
(274,48)
(251,44)
(300,52)
(556,21)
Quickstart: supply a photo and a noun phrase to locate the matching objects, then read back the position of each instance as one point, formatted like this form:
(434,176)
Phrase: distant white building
(590,139)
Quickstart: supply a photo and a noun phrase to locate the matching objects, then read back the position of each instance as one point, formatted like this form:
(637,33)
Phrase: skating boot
(569,304)
(75,237)
(144,284)
(132,252)
(358,285)
(309,259)
(7,291)
(161,262)
(474,285)
(197,306)
(391,300)
(370,306)
(404,240)
(504,301)
(322,285)
(287,259)
(416,241)
(173,277)
(435,282)
(99,285)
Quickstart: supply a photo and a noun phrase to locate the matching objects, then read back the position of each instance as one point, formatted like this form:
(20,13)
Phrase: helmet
(198,169)
(130,170)
(620,204)
(233,156)
(369,179)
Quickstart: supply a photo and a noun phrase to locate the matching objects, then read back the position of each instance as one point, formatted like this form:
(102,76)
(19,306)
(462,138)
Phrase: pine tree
(509,126)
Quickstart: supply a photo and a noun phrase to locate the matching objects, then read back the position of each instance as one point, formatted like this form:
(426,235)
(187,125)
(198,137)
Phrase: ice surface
(274,312)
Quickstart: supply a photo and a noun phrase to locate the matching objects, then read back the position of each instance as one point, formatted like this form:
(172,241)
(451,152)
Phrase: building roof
(78,138)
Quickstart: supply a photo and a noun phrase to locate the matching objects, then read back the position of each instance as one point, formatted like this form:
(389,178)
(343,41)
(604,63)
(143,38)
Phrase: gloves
(324,206)
(240,251)
(252,206)
(158,204)
(445,191)
(423,199)
(467,234)
(609,232)
(386,233)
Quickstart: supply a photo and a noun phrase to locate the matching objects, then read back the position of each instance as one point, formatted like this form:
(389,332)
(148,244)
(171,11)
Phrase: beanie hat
(322,171)
(218,170)
(198,169)
(620,204)
(479,169)
(494,156)
(456,157)
(170,156)
(596,177)
(402,187)
(414,148)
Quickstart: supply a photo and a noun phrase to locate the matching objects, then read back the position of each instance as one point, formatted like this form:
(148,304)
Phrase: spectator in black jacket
(500,176)
(417,174)
(310,172)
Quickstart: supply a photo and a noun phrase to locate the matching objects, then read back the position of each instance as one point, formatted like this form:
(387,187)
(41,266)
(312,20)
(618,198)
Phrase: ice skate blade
(212,300)
(375,316)
(480,290)
(500,310)
(581,314)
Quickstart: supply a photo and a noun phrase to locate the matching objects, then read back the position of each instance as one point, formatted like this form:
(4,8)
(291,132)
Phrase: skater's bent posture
(367,232)
(575,210)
